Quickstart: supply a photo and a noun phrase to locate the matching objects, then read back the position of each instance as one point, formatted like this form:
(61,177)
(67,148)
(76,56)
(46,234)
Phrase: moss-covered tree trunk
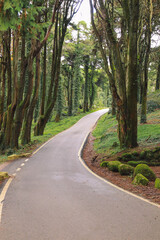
(26,131)
(158,76)
(86,85)
(132,78)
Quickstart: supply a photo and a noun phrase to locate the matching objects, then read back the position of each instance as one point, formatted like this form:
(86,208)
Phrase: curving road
(54,197)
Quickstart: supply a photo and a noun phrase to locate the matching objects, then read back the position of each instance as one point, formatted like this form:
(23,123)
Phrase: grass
(105,133)
(52,129)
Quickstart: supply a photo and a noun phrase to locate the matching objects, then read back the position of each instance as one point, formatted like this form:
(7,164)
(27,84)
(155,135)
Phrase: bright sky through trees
(84,13)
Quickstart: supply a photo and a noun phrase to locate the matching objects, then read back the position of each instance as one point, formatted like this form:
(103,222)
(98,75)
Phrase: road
(54,197)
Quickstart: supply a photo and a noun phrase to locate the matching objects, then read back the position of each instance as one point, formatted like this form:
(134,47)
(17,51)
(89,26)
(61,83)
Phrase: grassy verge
(52,129)
(105,133)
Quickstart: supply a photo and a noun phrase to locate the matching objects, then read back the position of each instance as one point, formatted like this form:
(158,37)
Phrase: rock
(125,169)
(13,157)
(3,175)
(113,166)
(157,183)
(145,171)
(140,180)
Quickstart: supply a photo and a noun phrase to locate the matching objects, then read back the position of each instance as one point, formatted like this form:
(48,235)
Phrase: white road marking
(104,180)
(3,194)
(22,164)
(18,169)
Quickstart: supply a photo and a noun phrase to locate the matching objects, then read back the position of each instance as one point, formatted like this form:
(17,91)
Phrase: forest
(51,67)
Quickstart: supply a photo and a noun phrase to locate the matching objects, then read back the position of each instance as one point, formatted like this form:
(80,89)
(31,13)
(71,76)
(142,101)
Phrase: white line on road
(3,194)
(18,169)
(104,180)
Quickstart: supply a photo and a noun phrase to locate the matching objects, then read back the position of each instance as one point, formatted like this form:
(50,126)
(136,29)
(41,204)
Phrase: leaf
(7,5)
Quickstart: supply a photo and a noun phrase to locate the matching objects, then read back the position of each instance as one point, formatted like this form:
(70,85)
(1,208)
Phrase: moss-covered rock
(24,155)
(113,166)
(157,183)
(104,164)
(140,180)
(13,157)
(3,175)
(135,163)
(125,169)
(145,171)
(16,156)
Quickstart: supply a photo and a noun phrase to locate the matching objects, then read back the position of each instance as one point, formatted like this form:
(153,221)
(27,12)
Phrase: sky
(83,13)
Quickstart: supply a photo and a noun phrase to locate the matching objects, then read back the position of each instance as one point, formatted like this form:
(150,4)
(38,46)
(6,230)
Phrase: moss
(149,155)
(135,153)
(140,180)
(142,155)
(104,164)
(13,157)
(125,169)
(127,156)
(145,171)
(157,183)
(135,163)
(113,166)
(24,155)
(3,175)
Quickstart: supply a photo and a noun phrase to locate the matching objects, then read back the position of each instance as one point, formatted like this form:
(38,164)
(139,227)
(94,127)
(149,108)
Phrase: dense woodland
(50,66)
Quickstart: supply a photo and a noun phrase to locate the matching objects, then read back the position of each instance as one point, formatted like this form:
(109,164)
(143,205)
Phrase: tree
(120,38)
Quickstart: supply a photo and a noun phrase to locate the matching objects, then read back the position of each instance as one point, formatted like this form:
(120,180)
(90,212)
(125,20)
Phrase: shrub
(104,164)
(157,183)
(145,171)
(140,179)
(142,155)
(113,166)
(125,169)
(152,106)
(135,153)
(126,157)
(135,163)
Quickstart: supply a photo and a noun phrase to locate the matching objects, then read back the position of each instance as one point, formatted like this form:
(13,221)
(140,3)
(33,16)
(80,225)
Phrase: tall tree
(120,36)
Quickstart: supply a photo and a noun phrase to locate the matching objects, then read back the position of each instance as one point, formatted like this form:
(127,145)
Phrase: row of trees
(26,29)
(124,30)
(42,66)
(49,63)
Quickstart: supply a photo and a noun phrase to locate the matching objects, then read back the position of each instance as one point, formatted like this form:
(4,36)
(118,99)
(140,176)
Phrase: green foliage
(113,166)
(104,164)
(157,183)
(105,134)
(140,180)
(145,171)
(126,157)
(135,163)
(125,169)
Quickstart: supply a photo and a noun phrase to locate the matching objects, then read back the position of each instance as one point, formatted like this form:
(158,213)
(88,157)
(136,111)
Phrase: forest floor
(99,147)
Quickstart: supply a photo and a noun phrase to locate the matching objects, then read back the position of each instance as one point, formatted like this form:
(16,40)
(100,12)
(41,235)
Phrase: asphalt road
(54,197)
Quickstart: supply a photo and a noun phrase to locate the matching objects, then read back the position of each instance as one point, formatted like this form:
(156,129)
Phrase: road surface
(54,197)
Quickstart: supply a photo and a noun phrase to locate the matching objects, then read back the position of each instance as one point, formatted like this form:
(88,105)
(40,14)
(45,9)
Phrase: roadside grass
(52,129)
(106,137)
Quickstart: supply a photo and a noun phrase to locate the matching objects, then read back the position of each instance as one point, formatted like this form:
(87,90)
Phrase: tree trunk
(86,87)
(26,131)
(158,77)
(132,79)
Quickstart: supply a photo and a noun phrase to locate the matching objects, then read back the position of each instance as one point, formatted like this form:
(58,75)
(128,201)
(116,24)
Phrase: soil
(93,160)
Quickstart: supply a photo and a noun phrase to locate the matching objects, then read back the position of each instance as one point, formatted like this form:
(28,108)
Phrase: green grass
(105,133)
(52,129)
